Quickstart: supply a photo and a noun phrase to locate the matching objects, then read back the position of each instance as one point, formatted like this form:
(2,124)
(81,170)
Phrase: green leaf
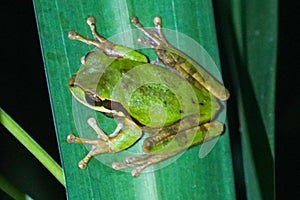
(248,35)
(188,177)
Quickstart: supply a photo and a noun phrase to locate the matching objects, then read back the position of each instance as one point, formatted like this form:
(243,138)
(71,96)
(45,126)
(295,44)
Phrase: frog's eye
(92,99)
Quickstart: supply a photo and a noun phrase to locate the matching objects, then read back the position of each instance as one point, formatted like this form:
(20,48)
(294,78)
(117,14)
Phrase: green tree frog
(176,103)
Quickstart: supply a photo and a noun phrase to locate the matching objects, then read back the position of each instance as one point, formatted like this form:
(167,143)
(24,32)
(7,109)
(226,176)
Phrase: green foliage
(248,35)
(251,70)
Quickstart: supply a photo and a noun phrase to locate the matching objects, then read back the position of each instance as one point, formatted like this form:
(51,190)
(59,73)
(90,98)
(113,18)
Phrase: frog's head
(86,96)
(93,100)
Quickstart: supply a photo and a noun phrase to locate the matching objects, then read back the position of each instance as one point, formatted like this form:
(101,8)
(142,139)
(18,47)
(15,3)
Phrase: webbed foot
(139,163)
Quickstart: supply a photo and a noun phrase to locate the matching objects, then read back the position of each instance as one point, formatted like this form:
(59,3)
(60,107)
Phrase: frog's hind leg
(155,37)
(173,58)
(156,40)
(167,143)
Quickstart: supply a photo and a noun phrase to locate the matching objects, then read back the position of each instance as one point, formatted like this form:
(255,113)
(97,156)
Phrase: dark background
(24,96)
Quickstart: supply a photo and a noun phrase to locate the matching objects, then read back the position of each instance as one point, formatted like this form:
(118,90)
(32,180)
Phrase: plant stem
(12,191)
(32,146)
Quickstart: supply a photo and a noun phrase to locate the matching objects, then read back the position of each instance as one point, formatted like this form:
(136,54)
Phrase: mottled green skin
(141,87)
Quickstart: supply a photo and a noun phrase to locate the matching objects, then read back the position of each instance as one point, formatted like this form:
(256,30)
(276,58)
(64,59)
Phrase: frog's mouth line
(94,101)
(107,107)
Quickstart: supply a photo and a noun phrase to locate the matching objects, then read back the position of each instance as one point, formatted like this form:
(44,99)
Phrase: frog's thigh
(168,144)
(171,140)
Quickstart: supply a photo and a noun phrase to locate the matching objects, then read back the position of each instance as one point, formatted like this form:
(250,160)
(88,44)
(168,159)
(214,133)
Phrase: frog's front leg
(167,143)
(125,135)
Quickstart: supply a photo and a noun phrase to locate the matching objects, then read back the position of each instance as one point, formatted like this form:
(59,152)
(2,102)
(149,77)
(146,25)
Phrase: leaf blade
(55,19)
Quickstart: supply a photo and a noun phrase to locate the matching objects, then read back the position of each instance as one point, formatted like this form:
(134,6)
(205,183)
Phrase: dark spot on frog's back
(124,85)
(193,101)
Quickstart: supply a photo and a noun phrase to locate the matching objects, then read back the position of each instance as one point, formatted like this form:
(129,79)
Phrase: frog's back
(101,73)
(157,97)
(151,94)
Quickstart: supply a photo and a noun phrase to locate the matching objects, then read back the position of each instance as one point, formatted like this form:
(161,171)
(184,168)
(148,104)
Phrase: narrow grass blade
(12,191)
(32,146)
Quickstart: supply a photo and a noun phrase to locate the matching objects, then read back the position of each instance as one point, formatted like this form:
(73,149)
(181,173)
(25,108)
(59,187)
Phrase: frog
(174,100)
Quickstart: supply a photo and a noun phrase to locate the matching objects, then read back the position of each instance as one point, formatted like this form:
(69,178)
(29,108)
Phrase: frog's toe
(136,171)
(147,43)
(155,37)
(119,165)
(82,165)
(137,168)
(139,163)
